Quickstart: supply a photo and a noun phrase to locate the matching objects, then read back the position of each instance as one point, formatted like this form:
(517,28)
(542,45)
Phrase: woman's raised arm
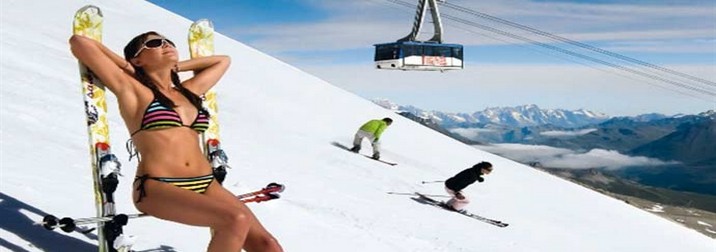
(207,72)
(109,67)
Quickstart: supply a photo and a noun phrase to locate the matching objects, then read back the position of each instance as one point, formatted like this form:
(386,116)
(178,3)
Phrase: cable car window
(457,52)
(408,50)
(428,51)
(386,52)
(443,51)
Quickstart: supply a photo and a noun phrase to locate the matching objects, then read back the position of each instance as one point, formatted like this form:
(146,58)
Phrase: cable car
(415,55)
(410,54)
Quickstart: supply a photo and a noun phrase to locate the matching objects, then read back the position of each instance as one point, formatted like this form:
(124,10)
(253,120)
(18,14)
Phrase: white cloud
(362,23)
(470,133)
(564,158)
(601,158)
(335,35)
(479,86)
(559,133)
(322,46)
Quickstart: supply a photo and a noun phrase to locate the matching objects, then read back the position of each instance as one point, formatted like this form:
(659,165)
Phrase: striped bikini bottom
(195,184)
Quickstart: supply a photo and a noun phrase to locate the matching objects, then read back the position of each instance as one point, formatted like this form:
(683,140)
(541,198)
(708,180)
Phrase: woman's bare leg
(231,224)
(258,238)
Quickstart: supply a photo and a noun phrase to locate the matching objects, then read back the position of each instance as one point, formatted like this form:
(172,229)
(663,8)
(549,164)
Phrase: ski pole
(68,224)
(436,181)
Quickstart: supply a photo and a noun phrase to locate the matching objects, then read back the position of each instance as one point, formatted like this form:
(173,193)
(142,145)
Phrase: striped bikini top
(159,116)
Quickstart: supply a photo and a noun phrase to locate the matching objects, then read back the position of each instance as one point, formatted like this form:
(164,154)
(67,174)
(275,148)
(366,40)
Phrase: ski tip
(280,187)
(91,9)
(88,22)
(203,22)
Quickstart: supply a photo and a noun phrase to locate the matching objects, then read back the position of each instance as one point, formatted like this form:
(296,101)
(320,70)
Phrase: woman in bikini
(174,180)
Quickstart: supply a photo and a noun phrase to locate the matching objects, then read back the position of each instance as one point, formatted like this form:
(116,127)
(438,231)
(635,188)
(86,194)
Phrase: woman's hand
(207,72)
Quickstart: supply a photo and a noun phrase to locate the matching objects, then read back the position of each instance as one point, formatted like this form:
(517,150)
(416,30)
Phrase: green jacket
(374,126)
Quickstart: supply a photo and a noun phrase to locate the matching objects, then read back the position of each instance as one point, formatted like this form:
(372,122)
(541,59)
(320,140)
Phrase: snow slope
(277,124)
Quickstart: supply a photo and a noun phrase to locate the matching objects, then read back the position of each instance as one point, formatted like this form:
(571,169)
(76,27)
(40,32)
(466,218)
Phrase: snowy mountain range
(518,116)
(687,139)
(277,125)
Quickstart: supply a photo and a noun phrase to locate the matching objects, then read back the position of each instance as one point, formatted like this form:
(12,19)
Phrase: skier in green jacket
(372,130)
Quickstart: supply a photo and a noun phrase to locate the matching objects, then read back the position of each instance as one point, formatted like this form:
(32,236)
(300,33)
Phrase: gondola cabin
(418,55)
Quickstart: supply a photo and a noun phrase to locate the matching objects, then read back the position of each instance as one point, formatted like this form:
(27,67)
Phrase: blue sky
(333,40)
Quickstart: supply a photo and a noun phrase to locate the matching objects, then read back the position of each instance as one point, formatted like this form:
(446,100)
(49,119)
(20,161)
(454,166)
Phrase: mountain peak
(517,116)
(385,103)
(710,113)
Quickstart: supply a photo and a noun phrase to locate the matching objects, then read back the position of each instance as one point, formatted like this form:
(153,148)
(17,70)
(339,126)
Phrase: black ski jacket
(464,179)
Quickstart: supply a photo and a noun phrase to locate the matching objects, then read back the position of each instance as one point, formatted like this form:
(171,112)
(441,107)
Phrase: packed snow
(277,125)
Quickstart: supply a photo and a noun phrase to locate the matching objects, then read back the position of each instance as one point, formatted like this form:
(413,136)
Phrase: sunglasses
(153,44)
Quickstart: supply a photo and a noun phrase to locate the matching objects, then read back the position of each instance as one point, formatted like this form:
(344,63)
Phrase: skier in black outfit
(457,183)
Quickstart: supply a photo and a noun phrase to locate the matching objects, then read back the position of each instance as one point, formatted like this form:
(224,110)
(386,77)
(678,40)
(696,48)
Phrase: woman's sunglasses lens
(153,43)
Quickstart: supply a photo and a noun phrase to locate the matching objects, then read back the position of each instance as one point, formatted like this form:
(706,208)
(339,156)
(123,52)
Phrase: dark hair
(482,164)
(132,48)
(388,120)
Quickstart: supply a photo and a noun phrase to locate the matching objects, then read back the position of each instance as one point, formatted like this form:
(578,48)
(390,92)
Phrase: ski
(270,188)
(201,44)
(341,146)
(67,224)
(104,165)
(380,160)
(422,198)
(486,220)
(262,198)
